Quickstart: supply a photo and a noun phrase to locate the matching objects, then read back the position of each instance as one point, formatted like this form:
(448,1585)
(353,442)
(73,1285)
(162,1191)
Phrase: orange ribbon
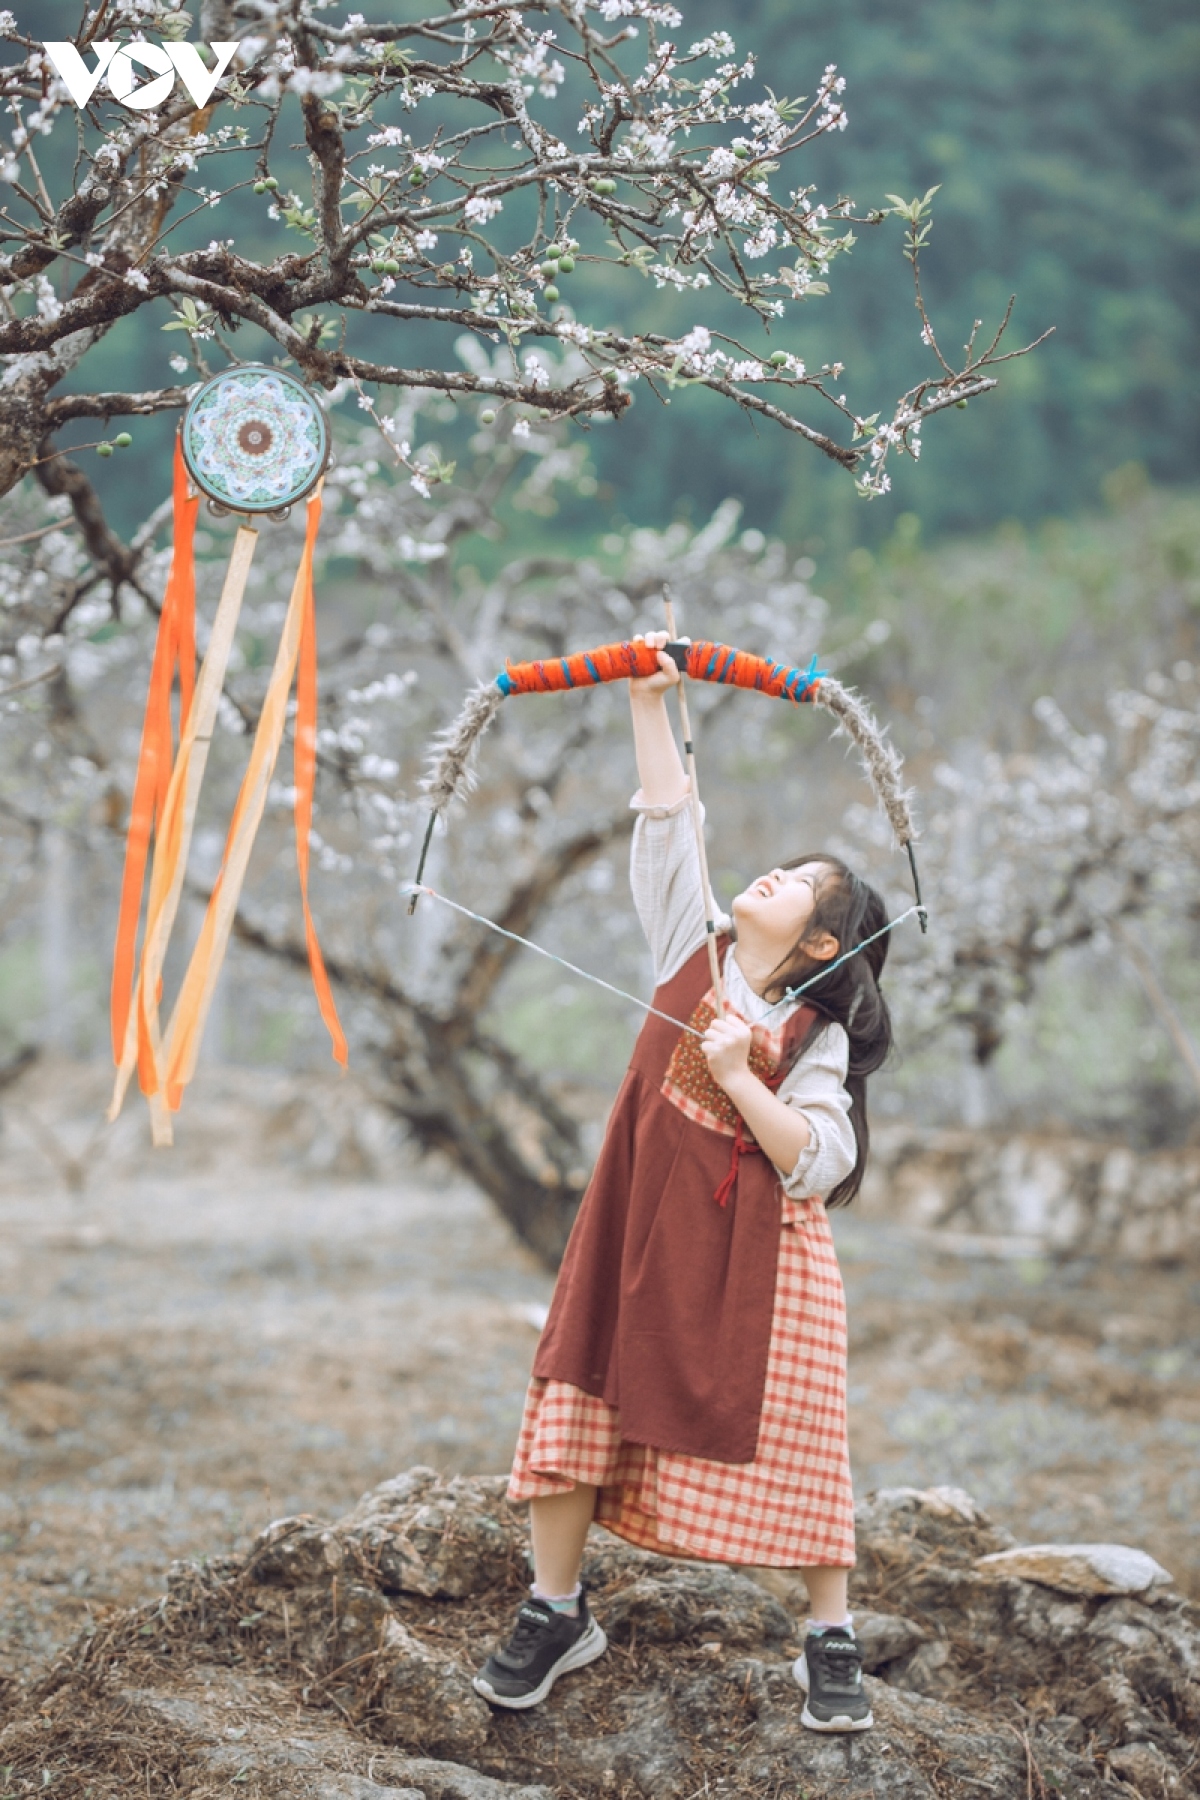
(175,644)
(297,646)
(166,794)
(305,771)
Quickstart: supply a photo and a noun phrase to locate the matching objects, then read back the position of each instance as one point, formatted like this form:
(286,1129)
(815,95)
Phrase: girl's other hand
(668,675)
(726,1046)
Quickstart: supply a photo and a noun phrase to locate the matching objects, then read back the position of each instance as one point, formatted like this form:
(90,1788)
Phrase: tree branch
(489,961)
(57,475)
(110,406)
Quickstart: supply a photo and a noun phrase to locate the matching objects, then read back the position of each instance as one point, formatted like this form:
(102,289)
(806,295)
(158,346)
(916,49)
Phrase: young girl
(689,1390)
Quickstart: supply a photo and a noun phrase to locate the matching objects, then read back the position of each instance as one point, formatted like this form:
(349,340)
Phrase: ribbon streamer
(166,799)
(195,996)
(142,1045)
(175,644)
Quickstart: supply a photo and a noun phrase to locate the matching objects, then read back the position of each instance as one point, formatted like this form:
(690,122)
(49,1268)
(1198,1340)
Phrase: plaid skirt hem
(791,1507)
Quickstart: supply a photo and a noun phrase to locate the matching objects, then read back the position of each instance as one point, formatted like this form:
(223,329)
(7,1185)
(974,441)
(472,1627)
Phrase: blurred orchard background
(1021,608)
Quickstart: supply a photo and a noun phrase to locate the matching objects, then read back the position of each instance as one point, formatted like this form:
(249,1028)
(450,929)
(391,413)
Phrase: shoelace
(841,1659)
(526,1635)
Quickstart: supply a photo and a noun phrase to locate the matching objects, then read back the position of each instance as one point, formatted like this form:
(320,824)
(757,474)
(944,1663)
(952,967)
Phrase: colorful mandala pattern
(255,439)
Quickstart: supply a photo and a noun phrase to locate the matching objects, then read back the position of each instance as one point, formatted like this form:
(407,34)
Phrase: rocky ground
(283,1312)
(334,1662)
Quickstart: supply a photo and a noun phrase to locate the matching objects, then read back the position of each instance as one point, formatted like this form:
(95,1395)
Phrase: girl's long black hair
(850,910)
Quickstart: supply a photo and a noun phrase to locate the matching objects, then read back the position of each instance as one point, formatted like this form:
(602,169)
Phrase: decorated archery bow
(451,769)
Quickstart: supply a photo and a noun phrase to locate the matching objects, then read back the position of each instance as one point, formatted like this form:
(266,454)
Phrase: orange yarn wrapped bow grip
(450,768)
(701,661)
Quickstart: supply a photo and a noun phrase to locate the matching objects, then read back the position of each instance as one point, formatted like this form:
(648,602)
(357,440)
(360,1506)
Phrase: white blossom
(314,81)
(718,44)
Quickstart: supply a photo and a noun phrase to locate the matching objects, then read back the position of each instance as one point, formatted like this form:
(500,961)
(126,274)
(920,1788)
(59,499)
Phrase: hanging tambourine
(253,441)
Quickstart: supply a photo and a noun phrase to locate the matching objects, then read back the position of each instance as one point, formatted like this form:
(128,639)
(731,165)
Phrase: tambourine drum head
(255,440)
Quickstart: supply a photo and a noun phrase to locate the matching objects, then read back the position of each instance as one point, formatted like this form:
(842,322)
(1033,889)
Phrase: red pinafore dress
(693,1365)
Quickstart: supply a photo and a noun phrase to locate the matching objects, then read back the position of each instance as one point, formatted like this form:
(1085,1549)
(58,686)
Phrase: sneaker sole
(591,1645)
(839,1721)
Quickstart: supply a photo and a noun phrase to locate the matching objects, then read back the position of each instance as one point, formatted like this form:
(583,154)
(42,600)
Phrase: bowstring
(412,889)
(514,937)
(917,911)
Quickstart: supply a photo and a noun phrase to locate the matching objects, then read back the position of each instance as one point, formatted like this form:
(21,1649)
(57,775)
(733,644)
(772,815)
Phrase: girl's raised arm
(660,767)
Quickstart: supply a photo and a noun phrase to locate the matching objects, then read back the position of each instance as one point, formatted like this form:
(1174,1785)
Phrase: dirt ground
(285,1309)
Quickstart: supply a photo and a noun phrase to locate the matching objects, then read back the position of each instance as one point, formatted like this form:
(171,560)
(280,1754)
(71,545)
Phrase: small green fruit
(572,245)
(122,440)
(550,266)
(551,293)
(741,151)
(487,416)
(271,184)
(960,403)
(104,449)
(378,267)
(779,358)
(260,187)
(391,266)
(416,179)
(566,264)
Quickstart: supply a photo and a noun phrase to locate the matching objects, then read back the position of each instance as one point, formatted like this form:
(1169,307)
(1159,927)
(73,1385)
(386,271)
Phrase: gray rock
(1087,1569)
(357,1787)
(415,1534)
(452,1781)
(886,1637)
(383,1614)
(425,1699)
(682,1602)
(1142,1768)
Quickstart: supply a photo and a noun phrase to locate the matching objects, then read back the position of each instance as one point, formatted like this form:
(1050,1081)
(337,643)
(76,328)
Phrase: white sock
(560,1603)
(819,1625)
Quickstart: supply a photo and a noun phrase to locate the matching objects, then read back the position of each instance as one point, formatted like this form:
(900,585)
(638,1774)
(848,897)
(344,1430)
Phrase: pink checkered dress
(792,1507)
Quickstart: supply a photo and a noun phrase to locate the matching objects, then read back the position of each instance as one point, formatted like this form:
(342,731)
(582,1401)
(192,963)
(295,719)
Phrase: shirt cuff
(797,1185)
(642,806)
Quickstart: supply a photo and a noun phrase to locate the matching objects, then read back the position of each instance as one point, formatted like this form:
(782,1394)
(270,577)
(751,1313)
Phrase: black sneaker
(830,1672)
(543,1646)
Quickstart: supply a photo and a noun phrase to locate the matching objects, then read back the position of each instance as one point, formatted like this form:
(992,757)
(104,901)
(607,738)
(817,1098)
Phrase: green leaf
(190,317)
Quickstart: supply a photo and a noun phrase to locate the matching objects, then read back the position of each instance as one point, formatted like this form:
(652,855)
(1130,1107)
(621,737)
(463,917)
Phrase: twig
(27,537)
(1159,1000)
(19,687)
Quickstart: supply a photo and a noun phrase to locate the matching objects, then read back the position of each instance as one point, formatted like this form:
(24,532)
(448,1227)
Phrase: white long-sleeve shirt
(668,893)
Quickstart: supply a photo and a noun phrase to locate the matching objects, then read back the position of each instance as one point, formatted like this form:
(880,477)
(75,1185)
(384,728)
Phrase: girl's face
(775,911)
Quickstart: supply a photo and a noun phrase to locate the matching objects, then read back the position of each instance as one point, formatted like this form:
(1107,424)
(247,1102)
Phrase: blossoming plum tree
(1083,839)
(468,170)
(479,194)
